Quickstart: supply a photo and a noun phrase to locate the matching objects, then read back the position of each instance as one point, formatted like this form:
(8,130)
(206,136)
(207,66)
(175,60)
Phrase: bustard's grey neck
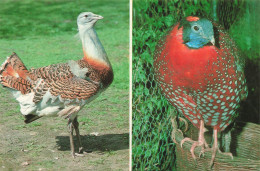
(92,46)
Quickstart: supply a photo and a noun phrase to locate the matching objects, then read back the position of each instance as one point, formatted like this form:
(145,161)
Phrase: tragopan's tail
(14,75)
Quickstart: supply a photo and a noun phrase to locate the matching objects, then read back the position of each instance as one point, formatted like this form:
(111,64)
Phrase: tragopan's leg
(215,148)
(201,141)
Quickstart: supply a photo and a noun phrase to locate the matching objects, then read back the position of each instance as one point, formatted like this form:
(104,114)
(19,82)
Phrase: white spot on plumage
(224,113)
(214,122)
(76,70)
(195,121)
(215,107)
(215,116)
(16,75)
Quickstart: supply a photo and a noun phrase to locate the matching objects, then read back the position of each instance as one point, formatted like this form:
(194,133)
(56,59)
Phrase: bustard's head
(87,19)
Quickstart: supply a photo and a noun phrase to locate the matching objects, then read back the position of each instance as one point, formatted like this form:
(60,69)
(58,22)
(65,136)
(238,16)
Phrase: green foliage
(245,30)
(152,147)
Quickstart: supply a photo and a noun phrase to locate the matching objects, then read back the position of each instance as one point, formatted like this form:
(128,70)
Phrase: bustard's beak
(98,17)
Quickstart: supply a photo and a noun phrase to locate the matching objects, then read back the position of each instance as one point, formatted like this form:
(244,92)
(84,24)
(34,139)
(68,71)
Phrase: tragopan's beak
(98,17)
(212,40)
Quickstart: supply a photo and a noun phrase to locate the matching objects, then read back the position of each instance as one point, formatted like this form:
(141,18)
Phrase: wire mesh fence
(152,145)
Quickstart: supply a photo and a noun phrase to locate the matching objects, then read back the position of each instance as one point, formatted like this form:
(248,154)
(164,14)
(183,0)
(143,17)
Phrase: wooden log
(245,147)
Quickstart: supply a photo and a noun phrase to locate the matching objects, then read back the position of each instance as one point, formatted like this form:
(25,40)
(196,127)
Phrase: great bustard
(61,89)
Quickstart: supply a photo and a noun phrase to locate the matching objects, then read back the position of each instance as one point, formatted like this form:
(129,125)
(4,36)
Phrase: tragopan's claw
(175,129)
(185,123)
(215,148)
(200,143)
(186,139)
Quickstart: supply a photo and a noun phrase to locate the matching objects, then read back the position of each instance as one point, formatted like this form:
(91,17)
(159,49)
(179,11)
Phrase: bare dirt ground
(44,144)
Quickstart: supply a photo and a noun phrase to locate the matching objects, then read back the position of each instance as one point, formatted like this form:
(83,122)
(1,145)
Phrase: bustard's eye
(86,16)
(196,28)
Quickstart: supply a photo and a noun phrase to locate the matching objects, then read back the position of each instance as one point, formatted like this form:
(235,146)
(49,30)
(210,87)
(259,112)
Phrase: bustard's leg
(69,113)
(201,141)
(76,127)
(70,126)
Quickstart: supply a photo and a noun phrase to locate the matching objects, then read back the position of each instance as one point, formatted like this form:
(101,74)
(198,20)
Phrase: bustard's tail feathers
(29,118)
(14,74)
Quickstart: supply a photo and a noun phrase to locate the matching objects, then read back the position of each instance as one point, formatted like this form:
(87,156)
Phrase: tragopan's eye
(196,28)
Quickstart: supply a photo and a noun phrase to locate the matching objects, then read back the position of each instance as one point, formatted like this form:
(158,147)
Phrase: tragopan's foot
(202,144)
(214,152)
(215,148)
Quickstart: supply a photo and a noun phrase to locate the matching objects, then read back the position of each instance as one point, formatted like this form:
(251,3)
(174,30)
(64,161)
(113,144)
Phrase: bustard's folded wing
(74,88)
(61,82)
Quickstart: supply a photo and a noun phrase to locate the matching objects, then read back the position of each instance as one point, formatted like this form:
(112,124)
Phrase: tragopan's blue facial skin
(198,33)
(196,41)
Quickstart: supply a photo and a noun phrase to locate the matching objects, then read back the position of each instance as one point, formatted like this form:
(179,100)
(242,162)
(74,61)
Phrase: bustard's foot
(82,154)
(201,143)
(83,151)
(79,154)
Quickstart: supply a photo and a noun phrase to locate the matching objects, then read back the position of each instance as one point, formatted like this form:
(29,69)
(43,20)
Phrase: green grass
(52,17)
(42,33)
(46,164)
